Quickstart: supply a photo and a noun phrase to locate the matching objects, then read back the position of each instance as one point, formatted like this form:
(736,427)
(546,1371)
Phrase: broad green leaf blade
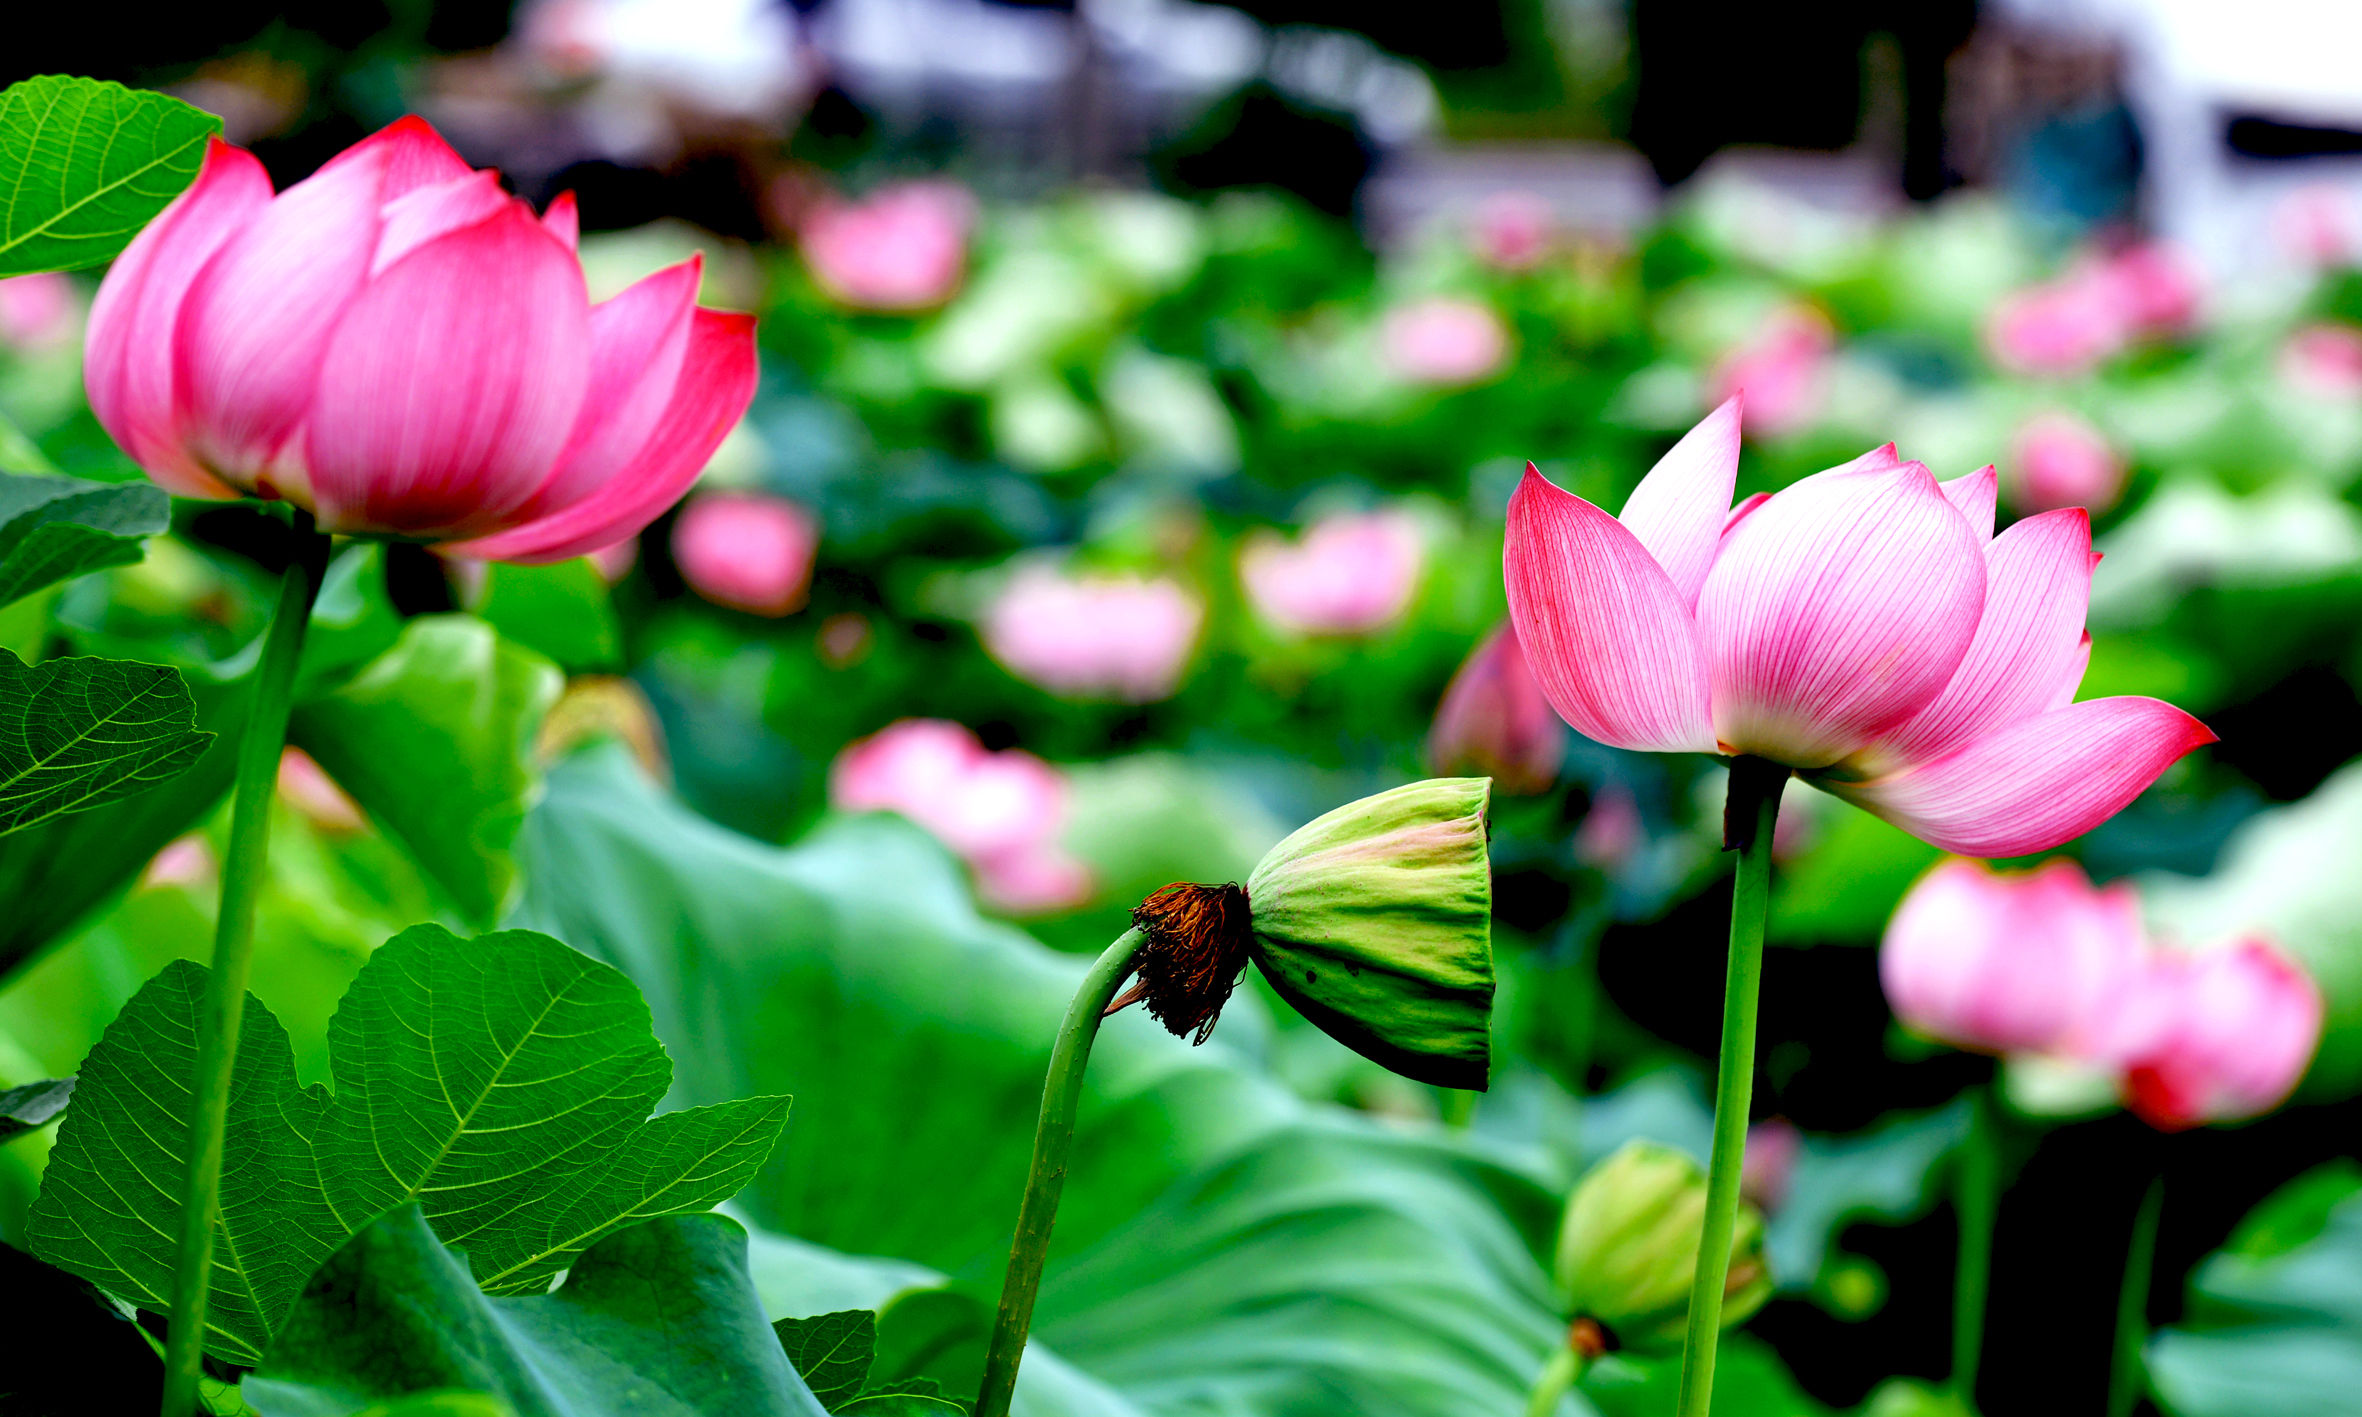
(53,528)
(658,1320)
(901,1404)
(506,1083)
(831,1352)
(85,164)
(33,1106)
(2274,1324)
(78,732)
(433,739)
(109,1208)
(561,610)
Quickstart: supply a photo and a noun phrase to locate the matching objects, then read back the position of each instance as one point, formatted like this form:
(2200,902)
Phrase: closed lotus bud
(1374,922)
(1628,1248)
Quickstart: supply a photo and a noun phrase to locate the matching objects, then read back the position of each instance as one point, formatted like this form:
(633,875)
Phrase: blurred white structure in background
(2194,67)
(644,61)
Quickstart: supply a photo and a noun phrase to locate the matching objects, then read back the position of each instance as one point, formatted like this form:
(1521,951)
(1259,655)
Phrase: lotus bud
(1374,922)
(1628,1248)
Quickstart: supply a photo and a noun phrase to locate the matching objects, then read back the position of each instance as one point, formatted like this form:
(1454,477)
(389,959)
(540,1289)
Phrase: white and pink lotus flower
(1863,627)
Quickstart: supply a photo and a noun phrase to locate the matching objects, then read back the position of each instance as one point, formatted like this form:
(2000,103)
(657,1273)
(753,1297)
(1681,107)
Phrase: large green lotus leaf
(2274,1326)
(79,733)
(53,528)
(1288,1253)
(85,164)
(658,1320)
(503,1082)
(432,738)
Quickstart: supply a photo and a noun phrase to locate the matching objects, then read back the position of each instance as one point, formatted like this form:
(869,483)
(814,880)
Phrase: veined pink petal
(1839,608)
(564,220)
(1678,510)
(2029,643)
(1740,512)
(258,317)
(127,360)
(2036,783)
(638,342)
(2071,680)
(717,383)
(452,385)
(1975,495)
(424,213)
(1603,627)
(406,154)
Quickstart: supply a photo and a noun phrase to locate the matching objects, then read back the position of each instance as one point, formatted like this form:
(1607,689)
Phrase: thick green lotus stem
(1976,1196)
(1752,811)
(2132,1304)
(1053,1137)
(1558,1378)
(233,955)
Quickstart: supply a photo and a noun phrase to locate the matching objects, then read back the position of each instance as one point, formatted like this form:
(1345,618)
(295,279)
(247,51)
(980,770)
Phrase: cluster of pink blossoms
(2101,305)
(1001,812)
(1126,638)
(2042,962)
(1347,575)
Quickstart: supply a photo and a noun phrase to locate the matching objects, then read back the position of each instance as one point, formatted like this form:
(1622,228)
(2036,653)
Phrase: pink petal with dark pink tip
(406,154)
(638,342)
(1604,628)
(1678,510)
(2042,781)
(1975,496)
(127,359)
(1839,608)
(564,220)
(453,383)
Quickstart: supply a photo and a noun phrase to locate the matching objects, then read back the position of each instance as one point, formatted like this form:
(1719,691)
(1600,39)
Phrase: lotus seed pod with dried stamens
(1374,922)
(1628,1248)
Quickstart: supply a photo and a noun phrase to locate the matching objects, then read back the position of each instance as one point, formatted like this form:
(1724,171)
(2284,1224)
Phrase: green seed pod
(1628,1248)
(1374,921)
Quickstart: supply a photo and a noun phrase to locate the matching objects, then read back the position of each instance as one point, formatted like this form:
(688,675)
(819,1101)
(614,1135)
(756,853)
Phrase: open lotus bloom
(2215,1035)
(2029,961)
(400,347)
(1863,627)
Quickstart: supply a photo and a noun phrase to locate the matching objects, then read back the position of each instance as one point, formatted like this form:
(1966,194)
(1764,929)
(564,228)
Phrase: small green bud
(1374,921)
(1628,1248)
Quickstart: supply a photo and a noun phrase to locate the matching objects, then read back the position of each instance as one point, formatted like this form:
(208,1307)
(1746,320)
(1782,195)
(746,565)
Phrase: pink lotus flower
(900,249)
(1612,832)
(2031,961)
(1494,721)
(2324,360)
(2060,460)
(1443,341)
(1774,1146)
(36,311)
(2218,1035)
(1120,637)
(1000,812)
(2318,226)
(2104,302)
(1863,627)
(307,787)
(1349,575)
(749,551)
(399,346)
(1514,230)
(2153,286)
(1782,370)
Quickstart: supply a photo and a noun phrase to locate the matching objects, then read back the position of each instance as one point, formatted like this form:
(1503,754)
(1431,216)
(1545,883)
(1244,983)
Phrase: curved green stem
(2132,1304)
(1053,1136)
(233,950)
(1975,1198)
(1748,819)
(1557,1379)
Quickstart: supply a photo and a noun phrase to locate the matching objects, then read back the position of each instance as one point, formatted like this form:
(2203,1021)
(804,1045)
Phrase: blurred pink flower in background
(2217,1035)
(1121,637)
(402,348)
(1348,575)
(2060,460)
(1514,230)
(2102,303)
(1612,831)
(1774,1146)
(2324,360)
(184,861)
(1001,812)
(1494,722)
(2154,287)
(2007,962)
(2317,226)
(307,787)
(749,551)
(900,249)
(1862,626)
(614,562)
(1443,340)
(1782,370)
(36,311)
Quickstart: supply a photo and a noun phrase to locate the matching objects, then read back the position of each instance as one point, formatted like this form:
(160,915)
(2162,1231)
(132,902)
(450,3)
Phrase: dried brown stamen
(1197,943)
